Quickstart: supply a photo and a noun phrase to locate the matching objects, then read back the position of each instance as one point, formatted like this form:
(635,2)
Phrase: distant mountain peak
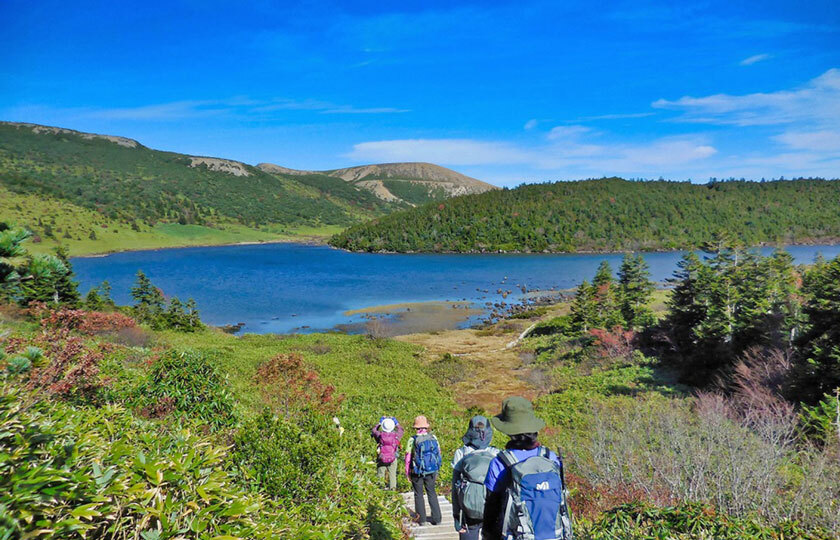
(277,169)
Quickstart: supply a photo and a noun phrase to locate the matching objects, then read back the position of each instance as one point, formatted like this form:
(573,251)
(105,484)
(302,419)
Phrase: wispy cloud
(816,102)
(347,109)
(618,116)
(754,59)
(531,124)
(444,151)
(194,109)
(566,150)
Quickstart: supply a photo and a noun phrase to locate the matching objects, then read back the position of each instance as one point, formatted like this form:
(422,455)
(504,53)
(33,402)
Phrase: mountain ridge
(405,183)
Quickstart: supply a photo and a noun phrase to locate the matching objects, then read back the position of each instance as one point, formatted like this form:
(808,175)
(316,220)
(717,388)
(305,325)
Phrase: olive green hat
(517,417)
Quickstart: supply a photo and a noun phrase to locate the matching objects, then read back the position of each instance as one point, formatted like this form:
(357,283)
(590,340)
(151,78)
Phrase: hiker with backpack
(527,490)
(387,434)
(422,463)
(469,469)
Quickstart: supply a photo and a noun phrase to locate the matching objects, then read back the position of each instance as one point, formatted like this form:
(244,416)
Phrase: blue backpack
(426,458)
(536,507)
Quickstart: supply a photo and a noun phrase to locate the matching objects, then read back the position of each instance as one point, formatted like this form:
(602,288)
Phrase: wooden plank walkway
(443,531)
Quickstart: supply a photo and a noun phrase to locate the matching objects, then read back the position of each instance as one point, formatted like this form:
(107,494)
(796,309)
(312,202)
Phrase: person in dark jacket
(476,441)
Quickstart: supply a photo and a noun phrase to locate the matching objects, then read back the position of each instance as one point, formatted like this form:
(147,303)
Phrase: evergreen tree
(584,310)
(604,291)
(93,301)
(817,367)
(175,317)
(635,290)
(193,318)
(148,300)
(67,287)
(12,258)
(105,294)
(46,280)
(688,302)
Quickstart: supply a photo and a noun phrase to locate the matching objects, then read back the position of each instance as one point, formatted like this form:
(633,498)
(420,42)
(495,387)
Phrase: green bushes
(687,521)
(76,471)
(188,383)
(286,461)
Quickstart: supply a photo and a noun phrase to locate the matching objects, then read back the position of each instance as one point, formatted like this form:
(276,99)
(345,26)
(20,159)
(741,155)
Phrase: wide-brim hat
(517,417)
(388,425)
(420,422)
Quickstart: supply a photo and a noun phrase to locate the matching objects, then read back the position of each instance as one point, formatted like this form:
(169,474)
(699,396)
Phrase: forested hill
(609,214)
(98,193)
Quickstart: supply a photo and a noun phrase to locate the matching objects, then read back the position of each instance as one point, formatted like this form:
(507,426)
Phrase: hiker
(527,491)
(387,434)
(422,463)
(469,469)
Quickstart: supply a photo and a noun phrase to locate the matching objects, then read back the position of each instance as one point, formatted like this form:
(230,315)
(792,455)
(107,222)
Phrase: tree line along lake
(283,288)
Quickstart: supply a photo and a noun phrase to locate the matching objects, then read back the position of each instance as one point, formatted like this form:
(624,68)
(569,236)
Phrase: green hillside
(609,214)
(97,193)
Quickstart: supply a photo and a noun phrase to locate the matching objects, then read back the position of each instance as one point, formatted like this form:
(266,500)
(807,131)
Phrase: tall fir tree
(635,291)
(584,311)
(606,301)
(817,365)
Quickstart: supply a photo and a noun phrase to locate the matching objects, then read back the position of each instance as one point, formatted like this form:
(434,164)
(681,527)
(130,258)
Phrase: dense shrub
(285,460)
(715,453)
(688,521)
(292,388)
(77,472)
(189,383)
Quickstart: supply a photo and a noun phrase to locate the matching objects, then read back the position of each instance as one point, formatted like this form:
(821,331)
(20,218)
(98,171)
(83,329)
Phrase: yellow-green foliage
(71,225)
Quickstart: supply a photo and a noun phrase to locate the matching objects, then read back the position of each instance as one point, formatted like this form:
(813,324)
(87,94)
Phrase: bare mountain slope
(411,183)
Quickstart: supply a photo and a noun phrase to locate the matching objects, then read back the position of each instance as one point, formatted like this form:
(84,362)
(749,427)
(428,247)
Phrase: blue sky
(503,91)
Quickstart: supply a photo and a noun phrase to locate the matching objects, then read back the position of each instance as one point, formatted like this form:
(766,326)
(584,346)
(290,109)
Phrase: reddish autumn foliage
(615,344)
(85,322)
(162,407)
(589,501)
(72,368)
(289,386)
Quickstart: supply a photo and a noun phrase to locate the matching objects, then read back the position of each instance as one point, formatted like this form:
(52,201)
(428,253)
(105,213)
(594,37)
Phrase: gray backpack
(470,491)
(536,499)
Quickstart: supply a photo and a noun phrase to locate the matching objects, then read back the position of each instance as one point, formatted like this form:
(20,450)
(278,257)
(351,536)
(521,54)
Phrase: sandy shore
(410,318)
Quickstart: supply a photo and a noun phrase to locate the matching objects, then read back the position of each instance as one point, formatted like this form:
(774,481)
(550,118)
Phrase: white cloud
(531,124)
(619,116)
(817,102)
(567,132)
(826,140)
(564,152)
(443,151)
(754,59)
(179,110)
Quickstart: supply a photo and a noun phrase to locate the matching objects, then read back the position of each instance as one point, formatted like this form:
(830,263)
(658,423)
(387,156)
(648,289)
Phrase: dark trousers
(427,482)
(473,532)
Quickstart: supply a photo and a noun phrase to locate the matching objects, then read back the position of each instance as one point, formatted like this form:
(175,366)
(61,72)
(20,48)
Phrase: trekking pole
(565,492)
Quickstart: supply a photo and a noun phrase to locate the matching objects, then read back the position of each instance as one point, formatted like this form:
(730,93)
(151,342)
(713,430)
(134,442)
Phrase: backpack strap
(508,458)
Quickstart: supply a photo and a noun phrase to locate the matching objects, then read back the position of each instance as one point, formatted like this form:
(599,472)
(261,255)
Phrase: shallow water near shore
(287,288)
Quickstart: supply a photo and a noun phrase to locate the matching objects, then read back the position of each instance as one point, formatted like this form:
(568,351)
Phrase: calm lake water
(298,288)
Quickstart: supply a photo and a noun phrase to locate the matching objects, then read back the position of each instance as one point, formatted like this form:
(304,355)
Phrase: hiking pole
(565,492)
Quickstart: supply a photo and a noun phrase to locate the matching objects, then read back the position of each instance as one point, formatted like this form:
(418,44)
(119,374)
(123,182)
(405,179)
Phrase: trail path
(443,531)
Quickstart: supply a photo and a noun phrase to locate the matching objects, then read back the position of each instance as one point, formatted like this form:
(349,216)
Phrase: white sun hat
(388,425)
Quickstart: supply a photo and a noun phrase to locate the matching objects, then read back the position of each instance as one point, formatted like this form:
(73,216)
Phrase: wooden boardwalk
(443,531)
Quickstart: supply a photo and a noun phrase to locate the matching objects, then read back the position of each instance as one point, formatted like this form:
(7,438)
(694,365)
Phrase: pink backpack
(388,445)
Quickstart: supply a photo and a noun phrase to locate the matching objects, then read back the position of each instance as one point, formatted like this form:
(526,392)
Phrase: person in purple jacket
(518,421)
(387,434)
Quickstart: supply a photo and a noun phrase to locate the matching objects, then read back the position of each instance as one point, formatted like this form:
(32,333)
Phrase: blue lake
(292,287)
